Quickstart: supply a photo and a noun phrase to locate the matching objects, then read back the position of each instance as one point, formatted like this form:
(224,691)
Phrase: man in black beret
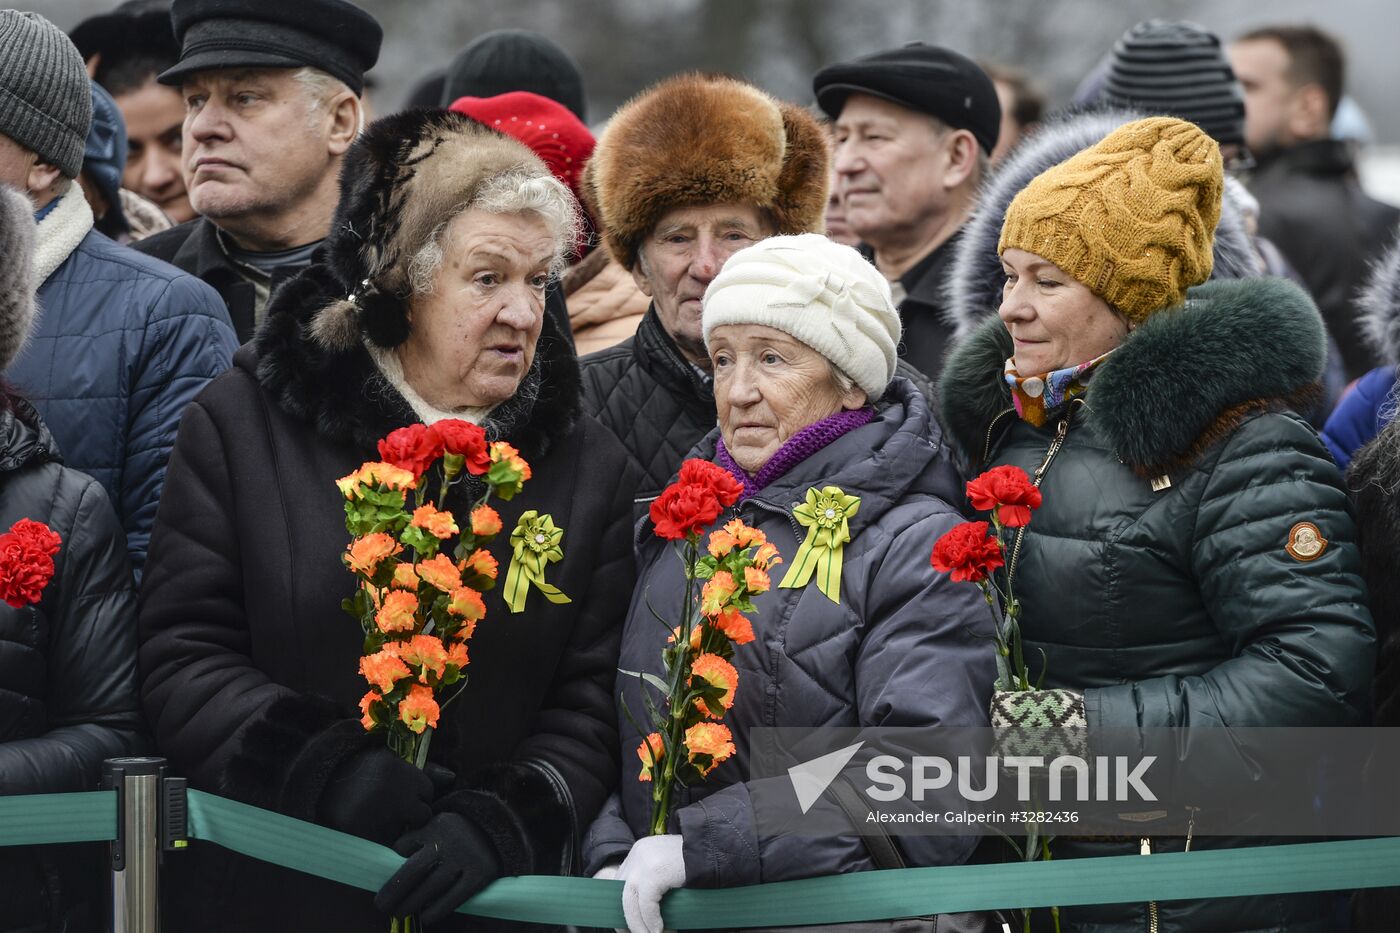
(272,93)
(914,129)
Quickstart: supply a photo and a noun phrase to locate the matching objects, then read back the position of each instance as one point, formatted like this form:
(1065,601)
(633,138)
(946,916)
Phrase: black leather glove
(377,795)
(449,860)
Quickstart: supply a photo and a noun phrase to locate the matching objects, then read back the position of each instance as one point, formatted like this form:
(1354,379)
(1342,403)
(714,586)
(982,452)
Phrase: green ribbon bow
(534,544)
(824,515)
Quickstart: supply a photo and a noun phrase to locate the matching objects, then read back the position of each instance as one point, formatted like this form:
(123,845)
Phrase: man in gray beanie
(122,341)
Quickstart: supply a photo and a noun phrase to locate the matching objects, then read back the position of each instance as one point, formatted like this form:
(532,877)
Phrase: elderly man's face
(769,386)
(154,116)
(685,251)
(472,338)
(255,142)
(889,163)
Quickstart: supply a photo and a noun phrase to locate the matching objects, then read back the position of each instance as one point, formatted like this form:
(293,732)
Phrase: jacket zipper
(1146,849)
(1060,432)
(987,447)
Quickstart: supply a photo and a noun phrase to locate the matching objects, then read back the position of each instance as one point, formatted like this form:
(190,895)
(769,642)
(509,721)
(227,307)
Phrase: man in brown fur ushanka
(686,174)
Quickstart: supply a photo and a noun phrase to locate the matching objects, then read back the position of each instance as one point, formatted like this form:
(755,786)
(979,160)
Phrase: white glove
(654,866)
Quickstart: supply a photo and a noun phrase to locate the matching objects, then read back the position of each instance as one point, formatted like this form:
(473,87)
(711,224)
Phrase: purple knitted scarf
(796,449)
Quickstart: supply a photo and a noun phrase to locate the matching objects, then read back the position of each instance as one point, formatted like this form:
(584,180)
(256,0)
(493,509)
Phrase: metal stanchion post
(136,850)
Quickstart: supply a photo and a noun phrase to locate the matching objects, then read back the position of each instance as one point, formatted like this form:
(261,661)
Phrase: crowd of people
(221,283)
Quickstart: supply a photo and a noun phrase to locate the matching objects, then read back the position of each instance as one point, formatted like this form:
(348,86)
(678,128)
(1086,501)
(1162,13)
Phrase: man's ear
(346,113)
(960,155)
(639,275)
(1310,116)
(45,182)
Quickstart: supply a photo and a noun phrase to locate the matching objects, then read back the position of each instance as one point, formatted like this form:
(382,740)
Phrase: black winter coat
(68,695)
(1156,577)
(250,665)
(1374,478)
(1312,207)
(928,327)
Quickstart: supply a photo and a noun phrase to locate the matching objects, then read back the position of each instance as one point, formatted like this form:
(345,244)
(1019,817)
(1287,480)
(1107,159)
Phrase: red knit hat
(550,129)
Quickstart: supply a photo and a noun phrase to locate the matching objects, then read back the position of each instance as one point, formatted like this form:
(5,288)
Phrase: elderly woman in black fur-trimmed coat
(447,234)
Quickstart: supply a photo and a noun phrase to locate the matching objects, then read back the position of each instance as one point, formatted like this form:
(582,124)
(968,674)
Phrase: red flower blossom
(967,552)
(26,562)
(1008,490)
(697,497)
(466,440)
(37,536)
(716,479)
(413,448)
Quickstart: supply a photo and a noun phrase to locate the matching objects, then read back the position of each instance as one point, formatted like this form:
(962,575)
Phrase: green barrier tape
(877,895)
(281,840)
(39,819)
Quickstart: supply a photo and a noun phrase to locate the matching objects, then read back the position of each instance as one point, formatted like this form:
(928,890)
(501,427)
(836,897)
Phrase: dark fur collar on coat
(1379,303)
(343,396)
(973,288)
(1179,383)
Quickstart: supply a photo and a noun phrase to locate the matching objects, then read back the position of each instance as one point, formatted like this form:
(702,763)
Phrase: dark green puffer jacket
(1179,604)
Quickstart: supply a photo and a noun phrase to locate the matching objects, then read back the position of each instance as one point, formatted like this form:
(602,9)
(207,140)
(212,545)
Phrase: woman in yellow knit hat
(1193,563)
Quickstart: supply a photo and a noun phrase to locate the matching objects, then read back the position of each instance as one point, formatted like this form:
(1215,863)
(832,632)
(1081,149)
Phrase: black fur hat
(403,178)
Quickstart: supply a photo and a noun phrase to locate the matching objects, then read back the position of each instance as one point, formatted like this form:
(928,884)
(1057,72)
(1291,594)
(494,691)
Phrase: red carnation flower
(36,536)
(684,509)
(467,440)
(967,552)
(717,479)
(413,448)
(26,562)
(1008,490)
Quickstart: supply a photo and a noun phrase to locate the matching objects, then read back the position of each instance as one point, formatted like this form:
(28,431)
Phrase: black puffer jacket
(656,403)
(251,667)
(67,672)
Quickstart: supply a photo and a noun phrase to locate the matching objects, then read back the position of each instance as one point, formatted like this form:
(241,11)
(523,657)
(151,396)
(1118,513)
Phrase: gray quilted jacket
(905,647)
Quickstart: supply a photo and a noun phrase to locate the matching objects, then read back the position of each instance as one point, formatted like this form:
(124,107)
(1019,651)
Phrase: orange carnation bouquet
(687,739)
(417,604)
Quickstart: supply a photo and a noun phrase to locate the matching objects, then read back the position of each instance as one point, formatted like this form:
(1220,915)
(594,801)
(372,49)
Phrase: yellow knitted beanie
(1132,217)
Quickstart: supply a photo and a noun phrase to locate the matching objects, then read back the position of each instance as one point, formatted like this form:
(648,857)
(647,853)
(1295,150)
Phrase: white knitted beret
(822,293)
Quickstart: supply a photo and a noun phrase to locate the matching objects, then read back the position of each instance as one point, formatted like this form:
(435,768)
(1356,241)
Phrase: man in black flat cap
(914,129)
(272,93)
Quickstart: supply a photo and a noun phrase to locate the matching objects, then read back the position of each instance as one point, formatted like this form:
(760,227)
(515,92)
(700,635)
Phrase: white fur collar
(60,232)
(392,370)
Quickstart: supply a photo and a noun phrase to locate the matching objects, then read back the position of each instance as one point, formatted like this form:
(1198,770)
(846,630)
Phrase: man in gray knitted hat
(123,341)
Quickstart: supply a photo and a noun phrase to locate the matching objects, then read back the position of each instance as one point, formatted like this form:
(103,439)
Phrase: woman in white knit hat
(802,335)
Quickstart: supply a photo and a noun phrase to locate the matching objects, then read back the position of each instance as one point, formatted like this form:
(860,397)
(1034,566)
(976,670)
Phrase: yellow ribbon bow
(825,515)
(534,545)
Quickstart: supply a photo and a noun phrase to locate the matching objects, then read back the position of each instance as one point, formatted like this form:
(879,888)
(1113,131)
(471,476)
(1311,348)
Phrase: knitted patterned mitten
(1048,723)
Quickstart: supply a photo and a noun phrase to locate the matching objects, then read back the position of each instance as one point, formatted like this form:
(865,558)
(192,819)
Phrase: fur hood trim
(973,289)
(1178,384)
(346,399)
(404,177)
(705,139)
(17,279)
(1379,304)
